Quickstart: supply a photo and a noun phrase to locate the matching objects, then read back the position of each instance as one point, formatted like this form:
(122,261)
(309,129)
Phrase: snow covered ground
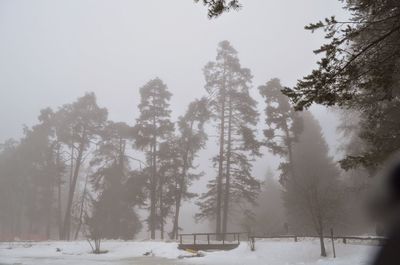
(163,253)
(286,252)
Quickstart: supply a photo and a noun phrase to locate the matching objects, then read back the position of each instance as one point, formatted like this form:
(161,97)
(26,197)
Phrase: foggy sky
(52,52)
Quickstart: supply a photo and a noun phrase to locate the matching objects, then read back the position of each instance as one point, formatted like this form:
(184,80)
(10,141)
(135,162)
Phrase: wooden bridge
(211,241)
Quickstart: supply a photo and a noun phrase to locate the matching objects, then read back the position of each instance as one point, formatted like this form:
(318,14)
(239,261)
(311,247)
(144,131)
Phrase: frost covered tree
(152,128)
(234,111)
(312,195)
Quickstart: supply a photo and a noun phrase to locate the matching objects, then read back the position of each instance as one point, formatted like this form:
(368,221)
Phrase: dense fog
(146,120)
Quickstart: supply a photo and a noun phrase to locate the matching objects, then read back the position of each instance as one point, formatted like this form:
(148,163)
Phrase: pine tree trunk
(81,210)
(153,189)
(227,174)
(181,183)
(174,232)
(67,218)
(321,236)
(322,244)
(48,219)
(50,195)
(59,210)
(71,166)
(161,208)
(17,224)
(59,221)
(220,166)
(179,191)
(290,153)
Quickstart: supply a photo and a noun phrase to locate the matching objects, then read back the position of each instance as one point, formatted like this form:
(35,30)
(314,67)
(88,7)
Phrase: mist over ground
(53,52)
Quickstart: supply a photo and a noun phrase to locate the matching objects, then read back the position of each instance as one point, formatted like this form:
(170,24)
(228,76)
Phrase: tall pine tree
(283,125)
(112,207)
(228,85)
(189,141)
(153,127)
(79,125)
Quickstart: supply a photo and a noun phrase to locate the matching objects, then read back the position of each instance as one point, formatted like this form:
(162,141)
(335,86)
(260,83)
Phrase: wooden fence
(345,239)
(208,241)
(226,241)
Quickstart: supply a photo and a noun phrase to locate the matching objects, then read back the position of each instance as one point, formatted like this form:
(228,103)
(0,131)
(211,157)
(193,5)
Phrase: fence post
(180,237)
(208,239)
(223,239)
(333,244)
(295,238)
(344,240)
(252,244)
(238,239)
(194,239)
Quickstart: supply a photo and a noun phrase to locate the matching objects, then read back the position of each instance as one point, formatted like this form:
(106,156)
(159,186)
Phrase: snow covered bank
(280,252)
(121,252)
(79,252)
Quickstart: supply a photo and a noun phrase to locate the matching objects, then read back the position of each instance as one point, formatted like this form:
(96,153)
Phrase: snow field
(282,252)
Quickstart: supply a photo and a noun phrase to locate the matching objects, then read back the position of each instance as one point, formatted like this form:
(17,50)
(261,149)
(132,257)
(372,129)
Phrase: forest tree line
(77,173)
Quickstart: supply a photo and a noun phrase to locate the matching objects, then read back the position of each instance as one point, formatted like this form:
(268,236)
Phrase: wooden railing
(218,237)
(345,239)
(226,241)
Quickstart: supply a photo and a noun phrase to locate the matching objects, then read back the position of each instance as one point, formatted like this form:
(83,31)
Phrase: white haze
(52,52)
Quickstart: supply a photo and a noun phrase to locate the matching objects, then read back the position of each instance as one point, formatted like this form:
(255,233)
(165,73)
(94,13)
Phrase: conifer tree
(283,125)
(153,127)
(359,70)
(112,206)
(79,125)
(189,141)
(312,196)
(33,169)
(38,149)
(228,86)
(269,213)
